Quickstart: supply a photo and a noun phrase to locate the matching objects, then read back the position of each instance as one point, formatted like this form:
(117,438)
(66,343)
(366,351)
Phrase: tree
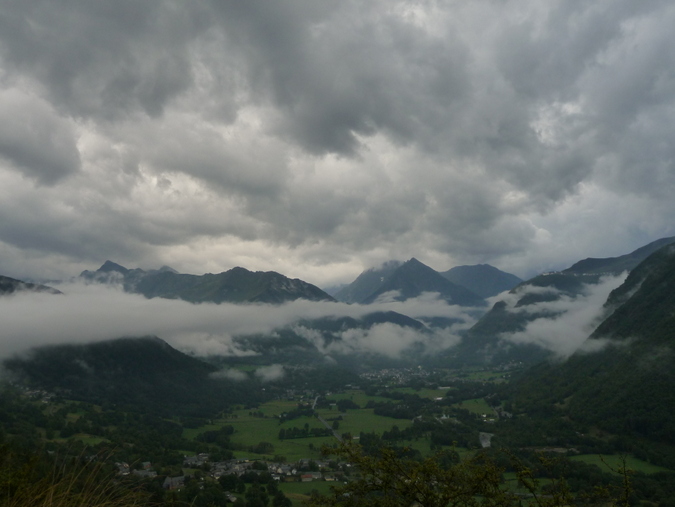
(281,500)
(388,480)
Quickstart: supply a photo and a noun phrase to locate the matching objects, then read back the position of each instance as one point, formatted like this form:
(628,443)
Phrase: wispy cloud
(270,373)
(570,320)
(88,313)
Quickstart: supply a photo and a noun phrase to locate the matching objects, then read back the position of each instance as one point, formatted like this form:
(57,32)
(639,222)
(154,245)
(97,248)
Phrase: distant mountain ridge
(366,283)
(617,265)
(11,285)
(404,281)
(482,279)
(238,285)
(482,342)
(309,340)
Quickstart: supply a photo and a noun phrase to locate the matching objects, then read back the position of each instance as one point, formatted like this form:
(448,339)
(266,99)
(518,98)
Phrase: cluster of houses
(145,471)
(396,376)
(305,470)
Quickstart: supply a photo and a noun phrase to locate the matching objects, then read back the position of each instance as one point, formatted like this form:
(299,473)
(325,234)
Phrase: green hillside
(130,372)
(627,387)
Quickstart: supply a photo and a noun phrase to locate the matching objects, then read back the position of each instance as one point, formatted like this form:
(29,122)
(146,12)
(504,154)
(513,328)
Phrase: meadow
(611,463)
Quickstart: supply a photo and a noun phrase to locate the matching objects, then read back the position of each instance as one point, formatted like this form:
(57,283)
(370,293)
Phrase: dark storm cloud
(298,135)
(34,139)
(337,73)
(102,59)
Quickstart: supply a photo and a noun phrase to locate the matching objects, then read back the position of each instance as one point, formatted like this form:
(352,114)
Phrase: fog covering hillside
(10,286)
(130,373)
(627,385)
(533,321)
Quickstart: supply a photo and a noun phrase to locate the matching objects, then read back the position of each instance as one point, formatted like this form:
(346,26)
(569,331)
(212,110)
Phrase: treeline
(303,410)
(410,406)
(289,433)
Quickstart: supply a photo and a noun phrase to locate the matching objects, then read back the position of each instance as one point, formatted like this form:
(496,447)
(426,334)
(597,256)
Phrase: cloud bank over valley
(95,312)
(86,313)
(564,324)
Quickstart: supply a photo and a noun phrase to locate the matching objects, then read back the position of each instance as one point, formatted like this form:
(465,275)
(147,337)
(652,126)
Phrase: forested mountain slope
(130,372)
(628,386)
(483,344)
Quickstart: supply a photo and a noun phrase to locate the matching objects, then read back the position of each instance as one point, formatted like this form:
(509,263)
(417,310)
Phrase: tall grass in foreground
(40,480)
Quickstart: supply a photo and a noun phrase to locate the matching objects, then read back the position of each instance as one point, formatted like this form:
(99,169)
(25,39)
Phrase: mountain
(404,281)
(129,372)
(308,341)
(482,344)
(644,305)
(238,285)
(10,286)
(366,283)
(412,278)
(482,279)
(627,387)
(616,265)
(524,305)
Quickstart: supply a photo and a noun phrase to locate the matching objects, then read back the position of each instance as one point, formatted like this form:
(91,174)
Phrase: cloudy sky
(319,138)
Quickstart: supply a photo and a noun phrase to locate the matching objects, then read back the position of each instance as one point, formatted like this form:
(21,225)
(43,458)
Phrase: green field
(298,492)
(357,396)
(611,462)
(477,406)
(423,393)
(191,433)
(356,421)
(250,429)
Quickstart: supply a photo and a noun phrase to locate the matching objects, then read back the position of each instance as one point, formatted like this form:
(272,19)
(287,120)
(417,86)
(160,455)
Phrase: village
(304,470)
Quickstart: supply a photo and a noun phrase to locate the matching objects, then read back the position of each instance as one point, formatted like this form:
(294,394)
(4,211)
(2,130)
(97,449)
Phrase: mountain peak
(482,279)
(414,263)
(109,266)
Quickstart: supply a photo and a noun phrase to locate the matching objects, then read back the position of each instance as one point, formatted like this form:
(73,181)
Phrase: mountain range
(462,285)
(483,344)
(622,380)
(238,285)
(533,300)
(10,286)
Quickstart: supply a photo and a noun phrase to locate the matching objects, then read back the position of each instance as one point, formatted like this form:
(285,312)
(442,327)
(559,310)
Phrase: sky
(318,139)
